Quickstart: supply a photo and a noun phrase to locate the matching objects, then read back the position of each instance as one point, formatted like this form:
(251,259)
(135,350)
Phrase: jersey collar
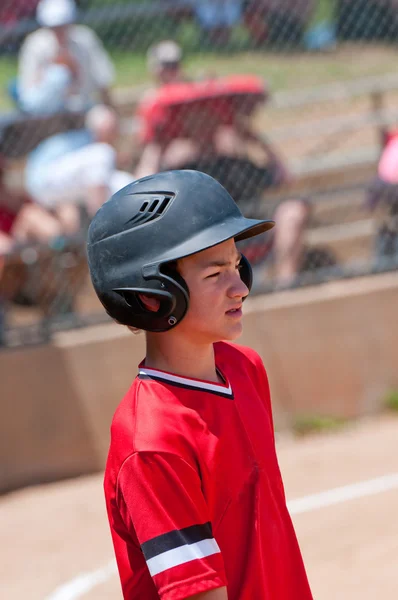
(220,389)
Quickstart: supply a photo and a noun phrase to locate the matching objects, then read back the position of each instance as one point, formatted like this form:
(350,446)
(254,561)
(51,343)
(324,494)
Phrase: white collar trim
(186,381)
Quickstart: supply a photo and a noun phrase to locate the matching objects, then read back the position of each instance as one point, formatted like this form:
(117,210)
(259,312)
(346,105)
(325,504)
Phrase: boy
(193,490)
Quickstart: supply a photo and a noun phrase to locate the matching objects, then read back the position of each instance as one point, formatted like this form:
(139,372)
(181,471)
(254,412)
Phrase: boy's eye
(213,275)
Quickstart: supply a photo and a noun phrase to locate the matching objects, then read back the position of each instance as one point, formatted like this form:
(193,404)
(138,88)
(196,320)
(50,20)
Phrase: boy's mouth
(235,312)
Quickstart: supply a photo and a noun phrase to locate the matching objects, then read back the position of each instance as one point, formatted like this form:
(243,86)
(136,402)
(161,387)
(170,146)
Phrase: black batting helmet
(144,228)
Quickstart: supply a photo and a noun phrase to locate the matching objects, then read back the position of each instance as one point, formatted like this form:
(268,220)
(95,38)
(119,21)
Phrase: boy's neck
(181,357)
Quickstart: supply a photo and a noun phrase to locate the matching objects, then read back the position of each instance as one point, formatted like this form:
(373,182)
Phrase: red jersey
(193,489)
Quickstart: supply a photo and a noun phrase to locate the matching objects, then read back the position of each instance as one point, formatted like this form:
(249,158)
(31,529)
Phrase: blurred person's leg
(179,152)
(383,196)
(149,162)
(69,218)
(291,218)
(35,224)
(228,142)
(6,243)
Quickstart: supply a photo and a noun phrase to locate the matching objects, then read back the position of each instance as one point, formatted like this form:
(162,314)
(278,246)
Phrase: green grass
(324,11)
(391,400)
(8,68)
(282,71)
(308,424)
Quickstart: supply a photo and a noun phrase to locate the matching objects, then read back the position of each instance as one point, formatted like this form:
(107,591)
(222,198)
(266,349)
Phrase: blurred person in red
(383,192)
(22,221)
(277,22)
(62,66)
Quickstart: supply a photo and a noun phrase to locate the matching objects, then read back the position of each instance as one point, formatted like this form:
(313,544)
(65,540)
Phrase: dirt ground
(56,545)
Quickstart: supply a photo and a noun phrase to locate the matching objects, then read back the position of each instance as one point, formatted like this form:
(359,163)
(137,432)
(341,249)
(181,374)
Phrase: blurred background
(290,104)
(293,106)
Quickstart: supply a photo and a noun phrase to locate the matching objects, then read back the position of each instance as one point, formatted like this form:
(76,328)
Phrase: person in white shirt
(77,168)
(62,66)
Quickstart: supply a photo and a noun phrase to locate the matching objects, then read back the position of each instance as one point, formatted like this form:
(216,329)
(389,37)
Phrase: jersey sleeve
(162,505)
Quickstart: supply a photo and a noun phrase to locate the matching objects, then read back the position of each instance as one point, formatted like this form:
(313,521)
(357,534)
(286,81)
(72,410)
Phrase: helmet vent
(151,210)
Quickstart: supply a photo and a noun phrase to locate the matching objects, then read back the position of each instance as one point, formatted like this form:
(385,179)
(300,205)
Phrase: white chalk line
(82,584)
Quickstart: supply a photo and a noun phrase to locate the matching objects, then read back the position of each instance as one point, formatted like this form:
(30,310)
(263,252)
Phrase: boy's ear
(149,302)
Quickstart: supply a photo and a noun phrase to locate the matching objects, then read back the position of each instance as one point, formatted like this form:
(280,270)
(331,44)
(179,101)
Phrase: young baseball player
(194,494)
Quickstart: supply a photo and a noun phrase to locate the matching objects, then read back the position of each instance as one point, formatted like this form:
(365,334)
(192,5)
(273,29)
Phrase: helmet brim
(238,228)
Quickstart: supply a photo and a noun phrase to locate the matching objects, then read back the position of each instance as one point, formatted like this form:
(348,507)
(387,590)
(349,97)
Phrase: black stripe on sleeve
(175,539)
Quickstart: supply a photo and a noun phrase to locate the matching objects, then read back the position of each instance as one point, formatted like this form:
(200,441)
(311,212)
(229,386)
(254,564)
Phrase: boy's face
(216,294)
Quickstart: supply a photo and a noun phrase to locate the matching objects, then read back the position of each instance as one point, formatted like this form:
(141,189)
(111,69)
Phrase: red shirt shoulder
(232,356)
(236,352)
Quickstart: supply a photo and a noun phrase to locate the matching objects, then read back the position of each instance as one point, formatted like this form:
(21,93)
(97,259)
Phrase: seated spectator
(277,22)
(22,221)
(74,172)
(62,66)
(217,18)
(187,125)
(384,190)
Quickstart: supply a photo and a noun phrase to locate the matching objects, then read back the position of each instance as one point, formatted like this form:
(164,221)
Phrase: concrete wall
(57,403)
(332,350)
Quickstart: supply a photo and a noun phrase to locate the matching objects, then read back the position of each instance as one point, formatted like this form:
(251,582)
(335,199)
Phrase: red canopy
(193,109)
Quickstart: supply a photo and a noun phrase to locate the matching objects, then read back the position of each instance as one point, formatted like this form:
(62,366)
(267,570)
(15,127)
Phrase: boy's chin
(232,334)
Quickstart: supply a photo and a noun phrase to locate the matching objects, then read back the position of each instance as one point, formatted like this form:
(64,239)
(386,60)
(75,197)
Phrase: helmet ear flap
(177,287)
(246,272)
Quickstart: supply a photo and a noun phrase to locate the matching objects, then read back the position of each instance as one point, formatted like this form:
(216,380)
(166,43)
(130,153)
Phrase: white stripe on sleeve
(183,554)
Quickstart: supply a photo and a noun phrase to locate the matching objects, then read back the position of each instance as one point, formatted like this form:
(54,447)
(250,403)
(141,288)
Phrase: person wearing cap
(62,66)
(194,494)
(164,62)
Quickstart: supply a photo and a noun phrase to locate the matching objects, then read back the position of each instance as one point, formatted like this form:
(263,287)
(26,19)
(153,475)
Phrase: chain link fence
(291,104)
